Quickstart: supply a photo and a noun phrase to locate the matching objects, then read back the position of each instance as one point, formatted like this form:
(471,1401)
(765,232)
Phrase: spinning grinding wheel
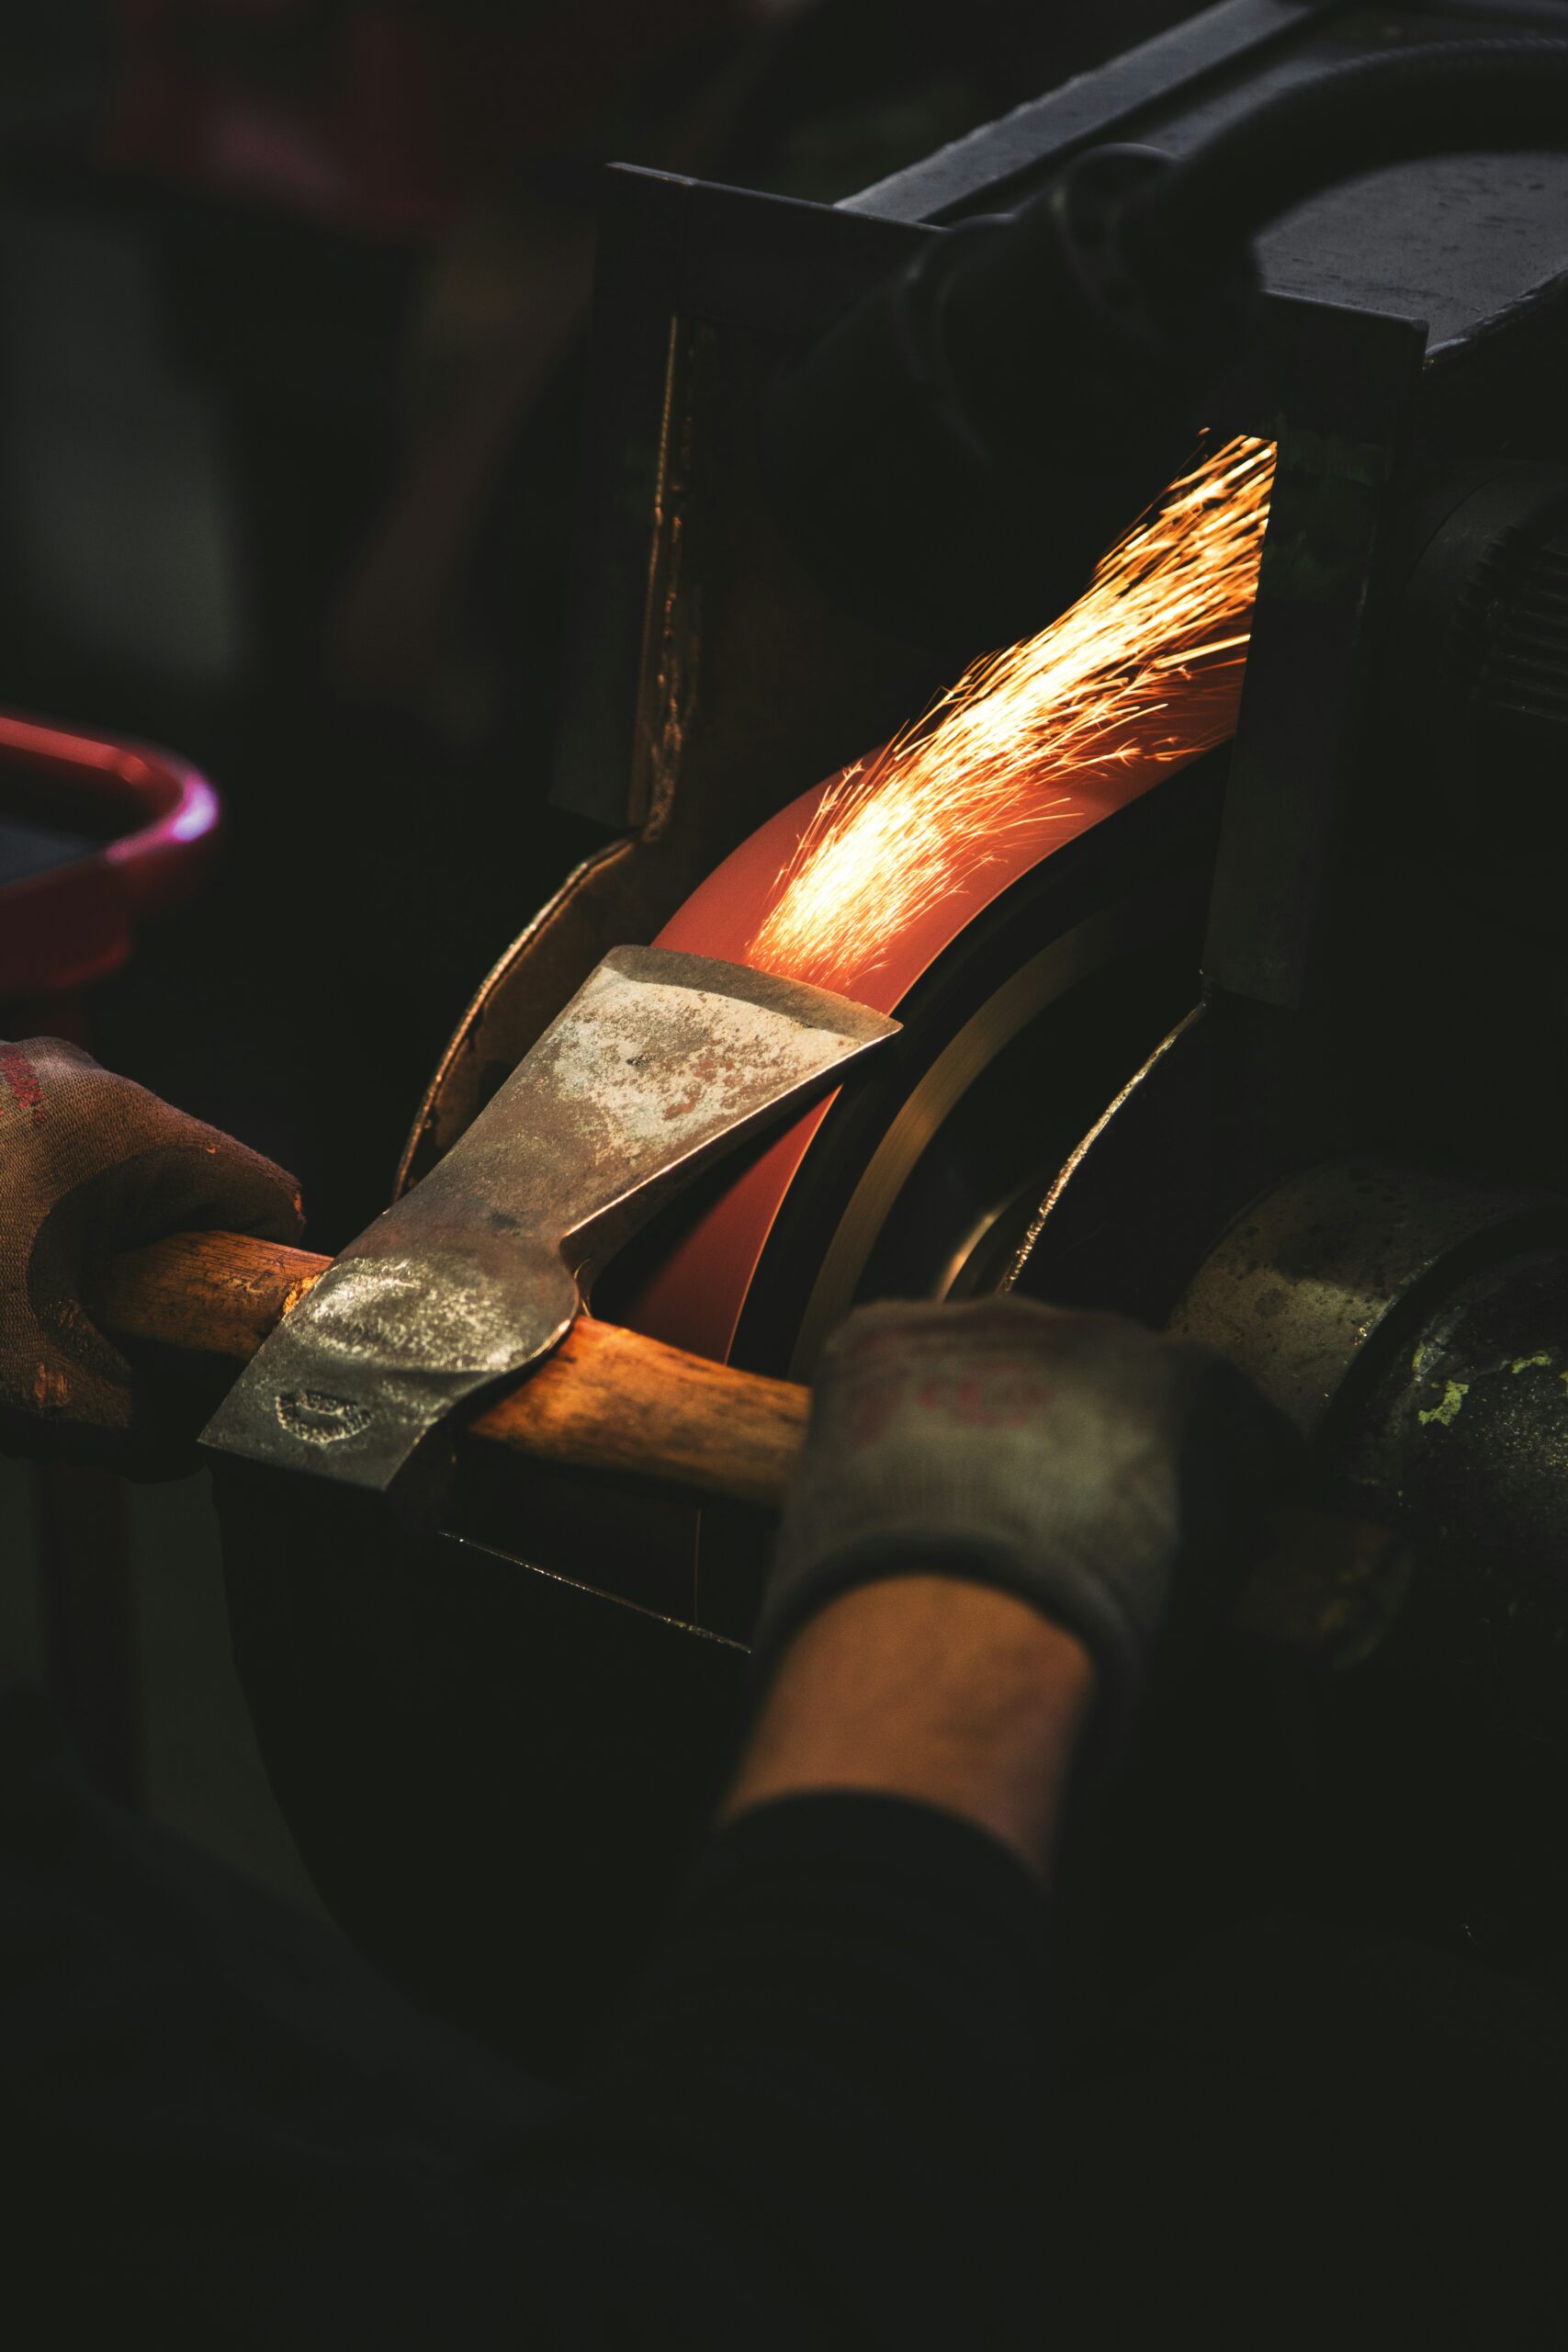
(1028,997)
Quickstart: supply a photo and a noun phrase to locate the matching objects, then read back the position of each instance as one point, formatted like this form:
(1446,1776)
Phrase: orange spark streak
(1144,669)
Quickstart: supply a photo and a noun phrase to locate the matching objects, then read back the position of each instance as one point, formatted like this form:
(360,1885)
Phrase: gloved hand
(1075,1460)
(90,1165)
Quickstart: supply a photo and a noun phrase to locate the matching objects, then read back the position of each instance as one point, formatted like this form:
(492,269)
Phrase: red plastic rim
(76,922)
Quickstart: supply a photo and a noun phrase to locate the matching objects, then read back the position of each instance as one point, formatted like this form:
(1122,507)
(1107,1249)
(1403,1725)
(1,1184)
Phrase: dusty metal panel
(989,162)
(1456,242)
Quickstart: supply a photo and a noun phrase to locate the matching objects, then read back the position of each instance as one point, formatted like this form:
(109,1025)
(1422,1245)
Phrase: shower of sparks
(1143,672)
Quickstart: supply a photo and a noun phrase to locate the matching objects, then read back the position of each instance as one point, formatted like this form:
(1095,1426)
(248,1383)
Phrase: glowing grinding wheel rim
(1028,999)
(996,860)
(696,1295)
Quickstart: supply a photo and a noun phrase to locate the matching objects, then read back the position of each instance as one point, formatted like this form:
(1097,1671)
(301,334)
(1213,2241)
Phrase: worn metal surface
(660,1061)
(1307,1276)
(1446,1775)
(681,593)
(1466,1422)
(997,162)
(1456,241)
(1353,378)
(1327,1588)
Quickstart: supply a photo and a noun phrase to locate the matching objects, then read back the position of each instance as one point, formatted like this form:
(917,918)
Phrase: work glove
(91,1165)
(1075,1460)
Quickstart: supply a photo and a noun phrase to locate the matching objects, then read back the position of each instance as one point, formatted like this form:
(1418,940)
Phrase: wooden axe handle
(610,1399)
(605,1399)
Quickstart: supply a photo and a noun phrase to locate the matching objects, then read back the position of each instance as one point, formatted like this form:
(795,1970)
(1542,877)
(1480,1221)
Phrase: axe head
(661,1062)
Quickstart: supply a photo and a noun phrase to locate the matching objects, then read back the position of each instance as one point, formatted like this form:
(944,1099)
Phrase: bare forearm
(927,1687)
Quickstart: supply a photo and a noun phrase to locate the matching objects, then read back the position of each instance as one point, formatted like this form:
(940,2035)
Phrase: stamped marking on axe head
(661,1062)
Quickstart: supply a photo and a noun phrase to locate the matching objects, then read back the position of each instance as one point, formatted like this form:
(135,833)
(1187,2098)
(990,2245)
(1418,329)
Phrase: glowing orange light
(1145,668)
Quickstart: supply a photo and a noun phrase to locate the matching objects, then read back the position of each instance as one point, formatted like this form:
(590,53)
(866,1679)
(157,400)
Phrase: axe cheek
(659,1064)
